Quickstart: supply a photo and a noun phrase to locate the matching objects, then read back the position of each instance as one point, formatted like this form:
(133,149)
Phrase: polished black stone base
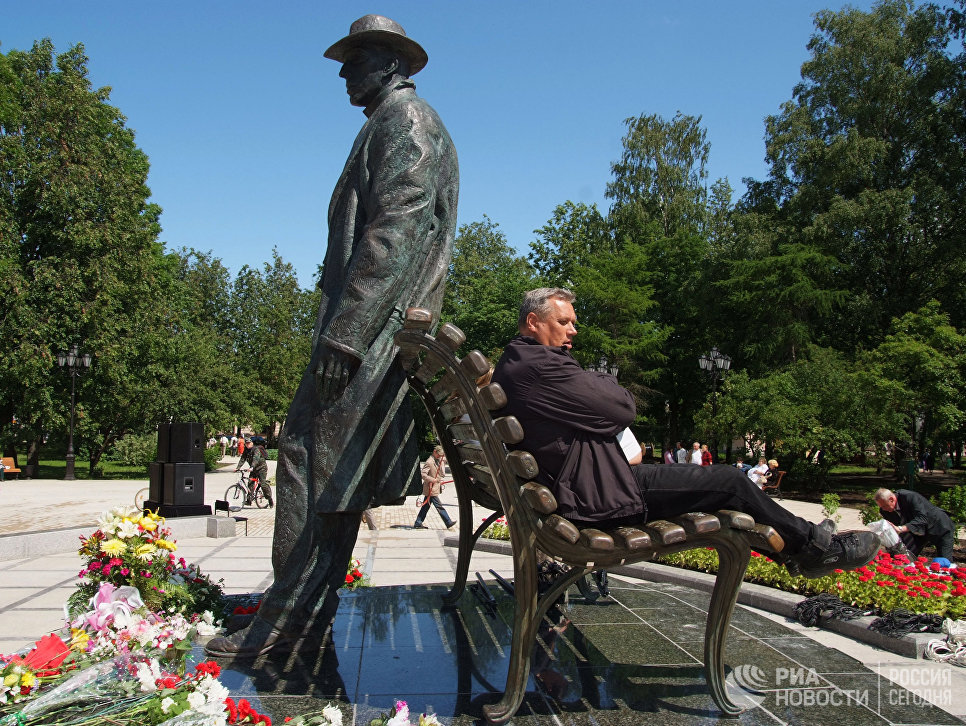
(632,659)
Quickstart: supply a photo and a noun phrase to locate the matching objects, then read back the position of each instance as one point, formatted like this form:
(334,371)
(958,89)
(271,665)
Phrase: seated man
(918,521)
(570,419)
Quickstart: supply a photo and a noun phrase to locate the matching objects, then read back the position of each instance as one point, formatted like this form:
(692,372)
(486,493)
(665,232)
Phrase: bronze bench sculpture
(486,472)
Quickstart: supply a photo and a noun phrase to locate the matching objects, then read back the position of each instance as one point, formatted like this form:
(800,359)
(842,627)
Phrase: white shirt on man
(757,474)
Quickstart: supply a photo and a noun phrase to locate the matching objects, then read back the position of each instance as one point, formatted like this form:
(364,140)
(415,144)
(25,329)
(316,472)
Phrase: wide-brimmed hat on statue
(383,31)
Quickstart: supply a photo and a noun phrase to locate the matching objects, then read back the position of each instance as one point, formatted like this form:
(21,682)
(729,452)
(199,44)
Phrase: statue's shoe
(255,640)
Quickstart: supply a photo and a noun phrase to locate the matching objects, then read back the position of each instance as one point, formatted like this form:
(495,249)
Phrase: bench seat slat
(472,451)
(631,539)
(735,520)
(464,432)
(508,429)
(475,364)
(664,532)
(443,388)
(697,523)
(563,528)
(764,536)
(523,464)
(539,497)
(450,336)
(453,409)
(430,366)
(493,396)
(596,540)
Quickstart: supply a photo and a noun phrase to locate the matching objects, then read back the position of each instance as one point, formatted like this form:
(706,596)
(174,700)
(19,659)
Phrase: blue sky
(247,126)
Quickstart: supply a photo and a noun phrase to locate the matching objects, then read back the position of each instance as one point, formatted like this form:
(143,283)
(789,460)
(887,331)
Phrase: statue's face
(364,71)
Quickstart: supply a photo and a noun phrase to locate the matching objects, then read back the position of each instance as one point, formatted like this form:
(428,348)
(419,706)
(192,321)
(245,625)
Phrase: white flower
(206,628)
(402,715)
(196,700)
(167,703)
(333,715)
(148,674)
(125,529)
(214,691)
(428,719)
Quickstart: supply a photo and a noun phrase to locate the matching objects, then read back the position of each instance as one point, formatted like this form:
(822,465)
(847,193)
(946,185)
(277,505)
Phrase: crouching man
(918,521)
(571,418)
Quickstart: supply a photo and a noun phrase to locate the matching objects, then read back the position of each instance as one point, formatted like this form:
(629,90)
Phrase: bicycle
(139,498)
(246,491)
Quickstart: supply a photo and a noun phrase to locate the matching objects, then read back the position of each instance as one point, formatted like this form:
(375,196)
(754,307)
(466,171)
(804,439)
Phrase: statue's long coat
(392,221)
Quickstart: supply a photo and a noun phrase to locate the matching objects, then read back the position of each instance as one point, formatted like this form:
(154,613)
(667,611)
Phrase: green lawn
(54,469)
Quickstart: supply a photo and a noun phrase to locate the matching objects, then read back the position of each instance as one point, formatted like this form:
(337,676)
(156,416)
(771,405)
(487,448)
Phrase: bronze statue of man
(347,442)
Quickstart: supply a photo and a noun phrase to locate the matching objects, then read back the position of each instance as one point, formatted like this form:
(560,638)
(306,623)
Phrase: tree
(272,324)
(866,161)
(660,204)
(821,401)
(79,240)
(575,235)
(662,173)
(925,358)
(485,286)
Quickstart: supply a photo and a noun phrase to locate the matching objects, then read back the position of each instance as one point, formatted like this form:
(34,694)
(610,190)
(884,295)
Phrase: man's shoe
(255,640)
(847,551)
(420,526)
(451,525)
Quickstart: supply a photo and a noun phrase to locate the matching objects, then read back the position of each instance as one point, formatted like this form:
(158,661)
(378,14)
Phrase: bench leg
(468,540)
(733,558)
(528,613)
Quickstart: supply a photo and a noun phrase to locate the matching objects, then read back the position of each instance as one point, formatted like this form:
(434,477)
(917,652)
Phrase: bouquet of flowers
(119,624)
(133,549)
(399,716)
(354,577)
(22,675)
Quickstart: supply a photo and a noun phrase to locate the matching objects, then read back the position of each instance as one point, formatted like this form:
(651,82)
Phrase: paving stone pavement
(33,588)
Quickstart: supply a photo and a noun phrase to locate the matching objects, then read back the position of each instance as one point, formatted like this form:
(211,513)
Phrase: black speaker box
(156,478)
(164,442)
(184,484)
(187,443)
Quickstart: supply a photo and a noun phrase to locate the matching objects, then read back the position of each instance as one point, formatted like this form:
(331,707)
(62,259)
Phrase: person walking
(432,473)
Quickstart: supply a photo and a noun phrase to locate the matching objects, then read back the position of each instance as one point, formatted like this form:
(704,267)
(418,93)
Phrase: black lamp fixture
(605,366)
(716,364)
(76,363)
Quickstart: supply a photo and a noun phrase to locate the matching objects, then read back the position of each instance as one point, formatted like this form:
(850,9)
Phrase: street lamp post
(604,366)
(75,363)
(716,364)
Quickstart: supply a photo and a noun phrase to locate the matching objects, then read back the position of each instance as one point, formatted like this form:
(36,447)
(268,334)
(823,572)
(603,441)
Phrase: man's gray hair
(538,301)
(882,494)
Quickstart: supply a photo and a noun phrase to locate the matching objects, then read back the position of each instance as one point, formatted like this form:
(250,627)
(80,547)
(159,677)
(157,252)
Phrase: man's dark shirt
(919,515)
(570,420)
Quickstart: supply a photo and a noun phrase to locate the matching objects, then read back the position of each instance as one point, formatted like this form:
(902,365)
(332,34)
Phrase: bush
(953,501)
(271,454)
(830,505)
(136,450)
(212,457)
(869,512)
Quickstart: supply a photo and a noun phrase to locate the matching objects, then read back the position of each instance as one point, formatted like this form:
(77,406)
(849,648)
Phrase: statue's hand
(333,374)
